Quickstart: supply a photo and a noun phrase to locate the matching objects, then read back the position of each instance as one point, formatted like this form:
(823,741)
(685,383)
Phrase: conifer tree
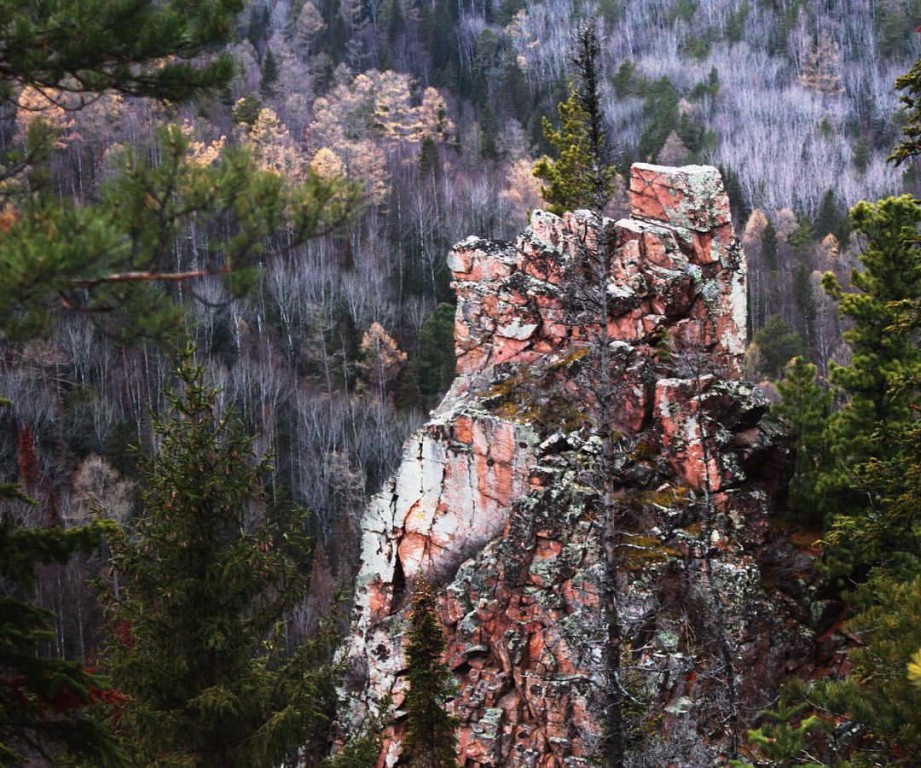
(45,703)
(881,382)
(910,85)
(435,364)
(148,48)
(430,740)
(112,257)
(583,175)
(778,343)
(805,411)
(203,584)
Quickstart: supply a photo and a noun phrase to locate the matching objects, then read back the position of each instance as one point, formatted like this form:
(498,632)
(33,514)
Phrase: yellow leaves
(381,360)
(327,164)
(522,187)
(34,104)
(914,669)
(379,104)
(273,148)
(201,153)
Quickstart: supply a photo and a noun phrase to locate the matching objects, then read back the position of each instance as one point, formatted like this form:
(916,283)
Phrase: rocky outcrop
(598,437)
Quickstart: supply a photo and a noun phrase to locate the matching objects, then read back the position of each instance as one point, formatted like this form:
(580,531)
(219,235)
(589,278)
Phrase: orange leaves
(8,218)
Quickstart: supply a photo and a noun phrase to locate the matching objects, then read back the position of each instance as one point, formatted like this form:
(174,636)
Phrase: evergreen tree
(769,247)
(832,219)
(782,738)
(435,365)
(881,381)
(112,256)
(877,697)
(148,48)
(430,741)
(56,253)
(46,704)
(910,85)
(778,343)
(582,176)
(269,73)
(203,584)
(805,411)
(660,110)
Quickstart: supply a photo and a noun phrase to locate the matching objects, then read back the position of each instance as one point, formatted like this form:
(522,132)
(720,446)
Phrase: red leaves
(26,459)
(47,697)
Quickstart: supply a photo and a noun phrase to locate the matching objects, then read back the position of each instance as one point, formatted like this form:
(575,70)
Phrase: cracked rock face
(597,438)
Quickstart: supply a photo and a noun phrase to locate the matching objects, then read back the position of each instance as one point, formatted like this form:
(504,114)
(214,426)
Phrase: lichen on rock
(499,502)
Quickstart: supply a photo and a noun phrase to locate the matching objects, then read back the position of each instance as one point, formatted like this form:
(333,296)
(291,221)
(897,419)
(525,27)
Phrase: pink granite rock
(498,498)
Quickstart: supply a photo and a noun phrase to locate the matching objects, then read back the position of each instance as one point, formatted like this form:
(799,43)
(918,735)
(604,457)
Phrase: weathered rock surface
(637,325)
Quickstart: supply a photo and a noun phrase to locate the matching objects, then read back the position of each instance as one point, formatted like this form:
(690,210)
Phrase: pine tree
(203,585)
(877,698)
(910,85)
(430,741)
(141,48)
(582,176)
(881,383)
(782,737)
(112,257)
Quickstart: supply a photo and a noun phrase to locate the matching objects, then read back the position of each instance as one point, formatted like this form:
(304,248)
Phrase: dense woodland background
(344,342)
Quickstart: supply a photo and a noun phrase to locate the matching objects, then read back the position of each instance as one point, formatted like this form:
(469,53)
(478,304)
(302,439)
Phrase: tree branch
(152,277)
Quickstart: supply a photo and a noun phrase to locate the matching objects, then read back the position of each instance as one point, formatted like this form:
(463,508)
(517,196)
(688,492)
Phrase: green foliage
(46,704)
(363,749)
(805,411)
(624,81)
(782,738)
(895,27)
(878,695)
(435,364)
(360,752)
(832,219)
(582,176)
(430,740)
(738,204)
(735,23)
(269,74)
(204,583)
(246,110)
(778,343)
(910,99)
(139,47)
(660,111)
(881,381)
(111,258)
(804,235)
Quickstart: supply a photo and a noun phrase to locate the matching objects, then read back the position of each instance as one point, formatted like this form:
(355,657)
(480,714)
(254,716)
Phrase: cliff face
(524,510)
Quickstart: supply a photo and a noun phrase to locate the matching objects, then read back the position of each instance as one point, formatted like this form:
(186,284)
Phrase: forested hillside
(289,215)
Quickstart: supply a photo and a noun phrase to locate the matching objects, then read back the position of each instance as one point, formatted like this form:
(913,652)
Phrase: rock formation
(598,437)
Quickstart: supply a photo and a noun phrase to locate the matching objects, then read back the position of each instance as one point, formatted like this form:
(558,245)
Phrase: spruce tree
(46,703)
(805,411)
(778,344)
(583,175)
(430,741)
(203,585)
